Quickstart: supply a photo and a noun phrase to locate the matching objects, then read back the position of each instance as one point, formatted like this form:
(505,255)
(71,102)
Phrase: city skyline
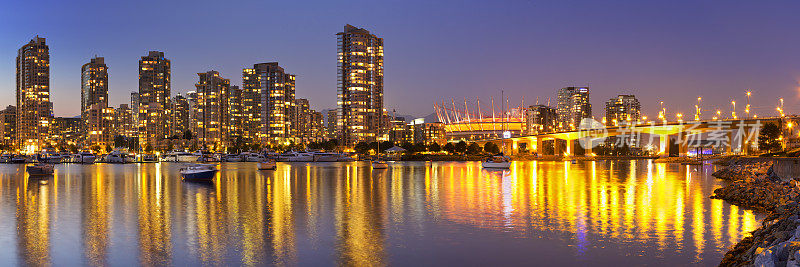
(687,53)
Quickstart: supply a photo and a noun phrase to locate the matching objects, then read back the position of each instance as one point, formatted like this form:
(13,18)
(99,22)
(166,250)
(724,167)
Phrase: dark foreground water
(592,213)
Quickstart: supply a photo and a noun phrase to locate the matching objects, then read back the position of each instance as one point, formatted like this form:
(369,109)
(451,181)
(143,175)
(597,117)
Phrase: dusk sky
(673,51)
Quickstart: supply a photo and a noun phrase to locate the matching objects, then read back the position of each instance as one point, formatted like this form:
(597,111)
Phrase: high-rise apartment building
(96,117)
(180,116)
(212,110)
(302,120)
(268,103)
(360,85)
(235,119)
(34,109)
(623,110)
(573,106)
(332,124)
(154,93)
(540,119)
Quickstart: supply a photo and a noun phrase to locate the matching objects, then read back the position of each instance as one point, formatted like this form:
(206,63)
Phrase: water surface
(605,212)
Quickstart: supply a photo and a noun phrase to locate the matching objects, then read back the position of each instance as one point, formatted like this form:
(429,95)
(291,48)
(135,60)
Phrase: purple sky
(673,51)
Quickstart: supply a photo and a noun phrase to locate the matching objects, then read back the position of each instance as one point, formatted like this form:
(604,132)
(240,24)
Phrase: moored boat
(379,164)
(268,164)
(199,172)
(497,162)
(325,157)
(39,169)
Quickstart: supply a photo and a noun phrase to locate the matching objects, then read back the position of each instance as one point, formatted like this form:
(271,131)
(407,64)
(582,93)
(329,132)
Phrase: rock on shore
(755,186)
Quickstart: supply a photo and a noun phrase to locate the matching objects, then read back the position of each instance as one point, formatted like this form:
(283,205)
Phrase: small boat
(325,157)
(85,158)
(232,158)
(39,169)
(252,157)
(497,162)
(199,172)
(146,158)
(379,164)
(19,159)
(574,161)
(267,165)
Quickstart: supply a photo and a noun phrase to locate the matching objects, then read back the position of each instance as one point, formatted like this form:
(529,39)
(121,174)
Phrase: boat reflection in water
(635,212)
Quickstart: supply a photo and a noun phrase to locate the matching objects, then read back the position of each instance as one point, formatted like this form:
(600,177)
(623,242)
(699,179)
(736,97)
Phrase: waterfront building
(360,85)
(235,118)
(400,131)
(268,102)
(211,110)
(332,124)
(65,132)
(573,106)
(180,116)
(428,132)
(302,121)
(8,121)
(540,119)
(622,110)
(153,99)
(34,109)
(96,116)
(123,121)
(317,126)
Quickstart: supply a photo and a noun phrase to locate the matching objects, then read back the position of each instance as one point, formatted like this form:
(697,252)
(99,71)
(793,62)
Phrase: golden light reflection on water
(352,215)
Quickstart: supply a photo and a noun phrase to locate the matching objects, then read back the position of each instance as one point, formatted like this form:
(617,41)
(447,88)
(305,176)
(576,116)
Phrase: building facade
(8,122)
(153,99)
(123,121)
(540,119)
(180,116)
(211,110)
(573,106)
(622,110)
(96,117)
(360,85)
(34,109)
(268,103)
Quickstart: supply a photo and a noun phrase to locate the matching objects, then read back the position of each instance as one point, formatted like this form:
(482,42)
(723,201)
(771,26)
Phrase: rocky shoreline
(755,186)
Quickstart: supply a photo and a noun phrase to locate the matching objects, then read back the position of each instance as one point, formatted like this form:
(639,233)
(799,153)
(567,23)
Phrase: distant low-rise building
(8,120)
(622,110)
(428,132)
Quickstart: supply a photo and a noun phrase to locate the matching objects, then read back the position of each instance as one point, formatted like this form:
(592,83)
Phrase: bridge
(738,136)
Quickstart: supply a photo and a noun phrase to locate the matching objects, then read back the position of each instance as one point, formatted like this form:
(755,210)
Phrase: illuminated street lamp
(680,117)
(697,109)
(747,107)
(733,113)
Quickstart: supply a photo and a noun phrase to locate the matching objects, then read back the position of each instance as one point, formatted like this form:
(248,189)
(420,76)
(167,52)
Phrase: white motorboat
(252,157)
(293,156)
(497,162)
(268,164)
(117,157)
(180,156)
(6,158)
(199,172)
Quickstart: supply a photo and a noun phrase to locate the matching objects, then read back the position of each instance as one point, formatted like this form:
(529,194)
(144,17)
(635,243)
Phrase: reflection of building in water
(96,208)
(33,222)
(281,227)
(626,200)
(360,217)
(155,232)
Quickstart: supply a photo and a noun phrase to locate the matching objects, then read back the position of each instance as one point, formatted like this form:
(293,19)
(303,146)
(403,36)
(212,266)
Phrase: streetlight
(680,117)
(733,113)
(747,107)
(782,115)
(697,109)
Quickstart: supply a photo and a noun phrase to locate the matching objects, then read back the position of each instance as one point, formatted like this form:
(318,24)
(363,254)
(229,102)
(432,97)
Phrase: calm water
(629,212)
